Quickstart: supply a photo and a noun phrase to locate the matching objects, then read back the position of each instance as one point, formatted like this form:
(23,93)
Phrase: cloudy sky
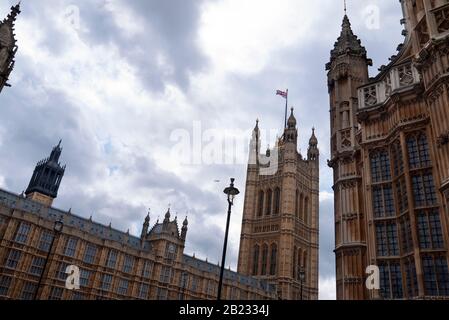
(149,97)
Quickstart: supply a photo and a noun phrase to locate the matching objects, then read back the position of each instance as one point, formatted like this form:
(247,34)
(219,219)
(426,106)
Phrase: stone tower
(347,70)
(47,176)
(8,47)
(279,239)
(390,159)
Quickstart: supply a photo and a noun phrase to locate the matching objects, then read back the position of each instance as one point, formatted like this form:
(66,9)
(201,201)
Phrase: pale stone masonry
(279,237)
(390,157)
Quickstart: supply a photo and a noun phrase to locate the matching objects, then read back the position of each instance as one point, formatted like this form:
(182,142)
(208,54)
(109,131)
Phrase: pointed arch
(264,259)
(273,259)
(306,210)
(277,201)
(269,202)
(297,203)
(301,207)
(256,250)
(260,204)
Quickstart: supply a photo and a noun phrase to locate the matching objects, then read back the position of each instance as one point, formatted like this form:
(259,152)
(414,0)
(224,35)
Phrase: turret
(145,226)
(184,229)
(46,179)
(313,152)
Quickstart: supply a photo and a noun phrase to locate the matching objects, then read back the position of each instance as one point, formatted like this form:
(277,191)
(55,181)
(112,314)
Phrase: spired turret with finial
(146,226)
(313,152)
(184,229)
(8,47)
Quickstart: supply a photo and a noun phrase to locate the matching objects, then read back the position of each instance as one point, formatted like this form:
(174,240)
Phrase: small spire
(345,6)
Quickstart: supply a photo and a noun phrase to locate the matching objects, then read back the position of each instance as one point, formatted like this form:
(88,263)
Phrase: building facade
(8,47)
(279,237)
(112,264)
(390,157)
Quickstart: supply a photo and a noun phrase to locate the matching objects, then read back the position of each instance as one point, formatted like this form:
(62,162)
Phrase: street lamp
(231,192)
(302,276)
(57,229)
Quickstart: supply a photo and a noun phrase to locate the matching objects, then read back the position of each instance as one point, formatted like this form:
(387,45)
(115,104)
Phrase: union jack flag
(282,94)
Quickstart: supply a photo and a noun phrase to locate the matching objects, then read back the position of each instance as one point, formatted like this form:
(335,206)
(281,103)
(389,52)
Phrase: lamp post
(302,276)
(57,229)
(231,192)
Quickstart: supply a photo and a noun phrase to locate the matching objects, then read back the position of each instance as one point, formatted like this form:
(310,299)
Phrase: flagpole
(286,108)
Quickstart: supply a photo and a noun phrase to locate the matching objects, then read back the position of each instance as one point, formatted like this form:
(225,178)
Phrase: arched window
(418,151)
(277,201)
(301,206)
(273,259)
(269,202)
(380,166)
(264,259)
(297,204)
(298,263)
(306,210)
(294,261)
(260,205)
(256,260)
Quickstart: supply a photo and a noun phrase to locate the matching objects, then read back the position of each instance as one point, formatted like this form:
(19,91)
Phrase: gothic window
(390,280)
(269,199)
(380,166)
(277,201)
(84,277)
(60,272)
(106,281)
(306,210)
(429,229)
(264,259)
(143,291)
(147,269)
(436,275)
(301,206)
(111,259)
(170,252)
(383,201)
(55,293)
(128,264)
(22,232)
(418,151)
(294,262)
(398,161)
(13,259)
(424,189)
(45,241)
(89,254)
(70,247)
(123,287)
(297,204)
(273,259)
(28,291)
(298,263)
(406,235)
(411,280)
(5,283)
(165,275)
(256,260)
(387,239)
(37,266)
(401,193)
(260,205)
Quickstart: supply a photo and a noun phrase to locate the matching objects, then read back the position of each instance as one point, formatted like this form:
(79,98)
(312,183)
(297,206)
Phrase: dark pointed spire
(291,123)
(47,175)
(11,18)
(348,42)
(313,139)
(167,216)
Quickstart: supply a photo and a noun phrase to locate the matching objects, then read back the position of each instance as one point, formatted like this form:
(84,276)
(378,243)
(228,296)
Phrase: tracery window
(424,189)
(277,201)
(273,259)
(269,200)
(387,239)
(260,205)
(264,259)
(418,151)
(436,275)
(411,279)
(390,280)
(383,201)
(429,229)
(256,260)
(380,166)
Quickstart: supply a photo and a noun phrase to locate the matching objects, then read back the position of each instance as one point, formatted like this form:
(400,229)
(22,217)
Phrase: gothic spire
(15,11)
(348,42)
(47,175)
